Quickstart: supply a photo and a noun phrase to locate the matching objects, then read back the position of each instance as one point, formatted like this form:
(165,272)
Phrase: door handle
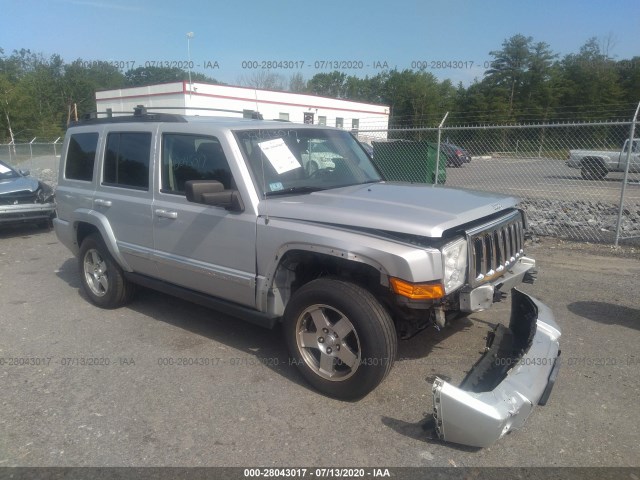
(166,214)
(101,202)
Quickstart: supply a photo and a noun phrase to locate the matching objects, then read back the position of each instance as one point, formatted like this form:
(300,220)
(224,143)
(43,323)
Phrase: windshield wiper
(294,190)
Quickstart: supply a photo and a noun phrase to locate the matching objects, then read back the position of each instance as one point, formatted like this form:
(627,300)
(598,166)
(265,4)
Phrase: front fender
(391,258)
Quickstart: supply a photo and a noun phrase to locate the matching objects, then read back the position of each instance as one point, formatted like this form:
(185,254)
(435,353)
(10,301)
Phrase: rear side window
(126,161)
(81,156)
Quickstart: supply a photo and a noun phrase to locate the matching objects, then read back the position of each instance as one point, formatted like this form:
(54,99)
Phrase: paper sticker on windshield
(4,169)
(279,155)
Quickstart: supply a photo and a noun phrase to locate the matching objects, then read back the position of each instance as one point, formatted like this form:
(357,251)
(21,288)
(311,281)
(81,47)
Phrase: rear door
(201,247)
(123,194)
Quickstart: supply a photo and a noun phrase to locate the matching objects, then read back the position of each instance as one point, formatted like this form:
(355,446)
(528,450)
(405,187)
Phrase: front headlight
(454,264)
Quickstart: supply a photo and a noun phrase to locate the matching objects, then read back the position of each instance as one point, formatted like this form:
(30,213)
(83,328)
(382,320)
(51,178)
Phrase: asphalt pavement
(163,382)
(545,178)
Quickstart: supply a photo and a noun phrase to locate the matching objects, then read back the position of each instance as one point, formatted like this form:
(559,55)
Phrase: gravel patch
(581,220)
(46,175)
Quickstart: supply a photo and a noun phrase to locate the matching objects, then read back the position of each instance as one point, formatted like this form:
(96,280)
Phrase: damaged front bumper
(26,212)
(516,373)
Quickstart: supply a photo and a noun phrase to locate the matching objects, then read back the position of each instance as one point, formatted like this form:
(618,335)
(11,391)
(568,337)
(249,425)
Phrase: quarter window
(126,162)
(81,156)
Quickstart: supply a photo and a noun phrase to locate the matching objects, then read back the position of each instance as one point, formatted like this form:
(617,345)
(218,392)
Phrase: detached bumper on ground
(516,373)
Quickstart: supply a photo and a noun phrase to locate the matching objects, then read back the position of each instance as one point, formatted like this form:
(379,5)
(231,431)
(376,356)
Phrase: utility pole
(190,35)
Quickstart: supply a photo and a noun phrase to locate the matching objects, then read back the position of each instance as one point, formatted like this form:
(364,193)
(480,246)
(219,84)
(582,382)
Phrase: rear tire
(102,278)
(340,337)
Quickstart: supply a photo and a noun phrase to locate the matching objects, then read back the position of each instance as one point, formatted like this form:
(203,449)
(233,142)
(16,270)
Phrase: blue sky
(397,32)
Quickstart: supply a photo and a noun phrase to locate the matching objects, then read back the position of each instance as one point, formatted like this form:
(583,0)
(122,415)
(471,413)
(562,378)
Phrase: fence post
(626,175)
(55,155)
(438,152)
(31,152)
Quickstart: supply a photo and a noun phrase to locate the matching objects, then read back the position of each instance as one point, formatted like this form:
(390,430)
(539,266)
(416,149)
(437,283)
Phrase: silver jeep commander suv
(229,213)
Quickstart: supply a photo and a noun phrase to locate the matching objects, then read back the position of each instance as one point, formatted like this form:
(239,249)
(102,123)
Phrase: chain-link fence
(579,200)
(40,159)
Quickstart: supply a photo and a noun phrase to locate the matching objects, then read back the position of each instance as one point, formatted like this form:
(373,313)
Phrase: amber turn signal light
(417,291)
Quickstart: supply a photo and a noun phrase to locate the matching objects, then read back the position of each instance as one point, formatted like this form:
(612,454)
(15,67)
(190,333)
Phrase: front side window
(81,156)
(192,157)
(126,162)
(302,160)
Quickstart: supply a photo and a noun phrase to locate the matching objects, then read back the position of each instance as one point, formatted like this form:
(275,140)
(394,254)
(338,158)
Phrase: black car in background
(456,156)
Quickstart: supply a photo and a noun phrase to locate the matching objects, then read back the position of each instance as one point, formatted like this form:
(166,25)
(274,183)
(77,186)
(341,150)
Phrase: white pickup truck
(595,165)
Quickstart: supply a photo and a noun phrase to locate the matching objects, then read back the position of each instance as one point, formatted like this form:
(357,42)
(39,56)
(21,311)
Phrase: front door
(201,247)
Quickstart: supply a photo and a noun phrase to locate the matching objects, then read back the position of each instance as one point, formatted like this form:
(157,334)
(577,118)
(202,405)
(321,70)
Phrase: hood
(19,184)
(416,209)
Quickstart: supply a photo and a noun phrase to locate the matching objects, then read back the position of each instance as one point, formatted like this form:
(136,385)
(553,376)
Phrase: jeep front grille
(494,247)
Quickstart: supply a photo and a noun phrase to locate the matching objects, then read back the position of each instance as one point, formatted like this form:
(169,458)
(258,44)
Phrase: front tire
(340,337)
(102,278)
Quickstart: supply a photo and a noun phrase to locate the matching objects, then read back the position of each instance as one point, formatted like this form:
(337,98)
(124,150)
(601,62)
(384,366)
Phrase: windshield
(7,172)
(302,160)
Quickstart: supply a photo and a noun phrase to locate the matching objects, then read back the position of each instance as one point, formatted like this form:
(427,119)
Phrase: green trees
(590,81)
(27,94)
(525,82)
(142,76)
(40,95)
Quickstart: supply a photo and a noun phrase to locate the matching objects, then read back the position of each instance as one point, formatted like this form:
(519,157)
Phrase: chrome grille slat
(494,247)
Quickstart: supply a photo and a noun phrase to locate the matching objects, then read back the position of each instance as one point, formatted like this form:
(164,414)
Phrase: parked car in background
(318,155)
(456,156)
(596,164)
(24,199)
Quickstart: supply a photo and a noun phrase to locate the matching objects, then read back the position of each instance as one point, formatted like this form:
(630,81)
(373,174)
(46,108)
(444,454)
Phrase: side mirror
(212,192)
(24,173)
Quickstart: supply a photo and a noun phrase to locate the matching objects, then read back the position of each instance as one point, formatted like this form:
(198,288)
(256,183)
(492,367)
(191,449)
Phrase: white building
(295,107)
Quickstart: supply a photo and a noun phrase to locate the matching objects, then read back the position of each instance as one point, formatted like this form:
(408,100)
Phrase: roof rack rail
(142,114)
(245,113)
